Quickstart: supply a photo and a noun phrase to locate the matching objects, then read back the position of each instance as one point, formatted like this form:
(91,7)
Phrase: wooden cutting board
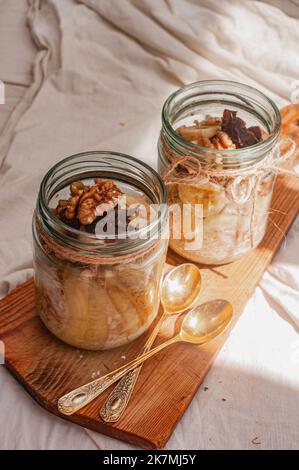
(48,368)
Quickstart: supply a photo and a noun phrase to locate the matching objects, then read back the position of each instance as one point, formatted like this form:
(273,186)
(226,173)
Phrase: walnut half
(84,200)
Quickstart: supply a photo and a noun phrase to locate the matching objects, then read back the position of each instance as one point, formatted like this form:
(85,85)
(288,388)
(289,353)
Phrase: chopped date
(236,128)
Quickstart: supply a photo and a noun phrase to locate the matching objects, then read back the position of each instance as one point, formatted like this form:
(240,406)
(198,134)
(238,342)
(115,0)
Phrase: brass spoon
(200,325)
(180,290)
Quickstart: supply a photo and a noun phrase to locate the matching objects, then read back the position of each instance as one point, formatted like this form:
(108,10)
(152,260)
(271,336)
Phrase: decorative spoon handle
(118,399)
(78,398)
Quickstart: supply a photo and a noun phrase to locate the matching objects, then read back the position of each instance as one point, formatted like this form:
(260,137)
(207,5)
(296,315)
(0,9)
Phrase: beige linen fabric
(102,69)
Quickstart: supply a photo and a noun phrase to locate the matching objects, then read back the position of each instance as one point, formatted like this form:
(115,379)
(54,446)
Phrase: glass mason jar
(235,189)
(96,292)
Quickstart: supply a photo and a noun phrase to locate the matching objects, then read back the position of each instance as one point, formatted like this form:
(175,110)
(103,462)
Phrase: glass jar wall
(98,291)
(234,187)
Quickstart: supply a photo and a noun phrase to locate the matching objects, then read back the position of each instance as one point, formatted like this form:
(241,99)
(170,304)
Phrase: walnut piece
(77,188)
(222,141)
(84,201)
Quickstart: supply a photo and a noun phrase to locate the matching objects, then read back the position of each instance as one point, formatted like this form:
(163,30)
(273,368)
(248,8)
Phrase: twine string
(240,184)
(62,252)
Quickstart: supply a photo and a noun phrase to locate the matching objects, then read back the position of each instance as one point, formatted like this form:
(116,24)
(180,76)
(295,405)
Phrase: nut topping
(77,188)
(228,132)
(222,141)
(88,202)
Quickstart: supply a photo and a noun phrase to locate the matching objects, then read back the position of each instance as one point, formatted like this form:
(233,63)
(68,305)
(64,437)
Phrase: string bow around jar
(239,183)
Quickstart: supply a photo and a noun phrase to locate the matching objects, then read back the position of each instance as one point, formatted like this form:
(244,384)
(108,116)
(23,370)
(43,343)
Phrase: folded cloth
(281,282)
(101,74)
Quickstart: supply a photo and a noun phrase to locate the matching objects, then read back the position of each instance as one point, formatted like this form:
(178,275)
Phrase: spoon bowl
(181,288)
(206,321)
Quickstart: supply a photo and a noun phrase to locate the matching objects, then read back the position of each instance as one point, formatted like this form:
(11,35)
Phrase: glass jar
(236,186)
(94,291)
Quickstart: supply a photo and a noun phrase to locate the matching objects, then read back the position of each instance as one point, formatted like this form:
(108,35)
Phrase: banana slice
(87,311)
(142,289)
(212,200)
(124,306)
(98,329)
(76,298)
(194,133)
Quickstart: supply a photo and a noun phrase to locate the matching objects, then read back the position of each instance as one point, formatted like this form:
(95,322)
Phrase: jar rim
(91,242)
(246,152)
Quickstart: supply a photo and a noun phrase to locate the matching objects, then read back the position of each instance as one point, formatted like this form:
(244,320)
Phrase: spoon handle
(78,398)
(118,399)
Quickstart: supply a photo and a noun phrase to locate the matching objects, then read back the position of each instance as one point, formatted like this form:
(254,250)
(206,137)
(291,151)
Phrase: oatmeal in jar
(99,251)
(214,147)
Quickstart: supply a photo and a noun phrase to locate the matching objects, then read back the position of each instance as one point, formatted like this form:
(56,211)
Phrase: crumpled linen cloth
(93,74)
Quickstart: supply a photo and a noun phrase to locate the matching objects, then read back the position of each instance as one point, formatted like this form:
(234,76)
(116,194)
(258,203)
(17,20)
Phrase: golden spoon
(180,290)
(200,325)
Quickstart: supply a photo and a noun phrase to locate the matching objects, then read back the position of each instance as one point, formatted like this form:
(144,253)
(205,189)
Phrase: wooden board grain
(48,368)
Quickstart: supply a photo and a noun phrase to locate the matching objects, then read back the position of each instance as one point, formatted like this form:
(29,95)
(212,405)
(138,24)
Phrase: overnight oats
(100,241)
(216,152)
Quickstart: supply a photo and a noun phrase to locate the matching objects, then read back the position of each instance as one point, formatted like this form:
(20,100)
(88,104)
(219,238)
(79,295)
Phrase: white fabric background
(93,74)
